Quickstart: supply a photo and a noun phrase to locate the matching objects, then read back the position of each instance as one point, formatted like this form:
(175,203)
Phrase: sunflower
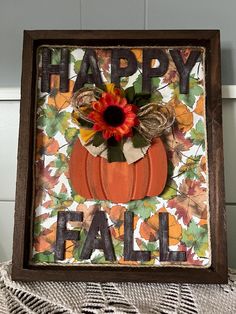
(113,116)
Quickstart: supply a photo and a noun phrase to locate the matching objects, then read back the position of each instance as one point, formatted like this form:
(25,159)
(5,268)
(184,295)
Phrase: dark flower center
(114,116)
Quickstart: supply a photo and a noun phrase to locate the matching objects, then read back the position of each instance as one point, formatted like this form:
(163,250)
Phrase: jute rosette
(154,120)
(82,99)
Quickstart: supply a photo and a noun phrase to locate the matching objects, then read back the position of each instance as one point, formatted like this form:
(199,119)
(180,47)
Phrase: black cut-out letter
(184,69)
(61,69)
(165,254)
(148,71)
(100,241)
(89,62)
(129,253)
(116,70)
(63,234)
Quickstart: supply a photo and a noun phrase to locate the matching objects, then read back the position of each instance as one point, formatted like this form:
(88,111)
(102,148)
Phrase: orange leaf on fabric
(183,116)
(148,232)
(175,231)
(123,262)
(172,75)
(191,201)
(63,188)
(45,241)
(45,179)
(149,228)
(138,54)
(203,163)
(41,244)
(46,145)
(69,247)
(202,222)
(200,106)
(117,231)
(117,213)
(56,98)
(51,236)
(88,214)
(176,144)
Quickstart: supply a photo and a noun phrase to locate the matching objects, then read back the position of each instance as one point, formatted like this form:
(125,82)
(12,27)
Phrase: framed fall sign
(120,163)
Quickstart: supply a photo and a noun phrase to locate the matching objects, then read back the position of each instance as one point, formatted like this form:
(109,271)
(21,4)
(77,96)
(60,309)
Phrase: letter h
(62,69)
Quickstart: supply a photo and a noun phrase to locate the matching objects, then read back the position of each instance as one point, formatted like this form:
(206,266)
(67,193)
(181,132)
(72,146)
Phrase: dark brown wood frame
(22,270)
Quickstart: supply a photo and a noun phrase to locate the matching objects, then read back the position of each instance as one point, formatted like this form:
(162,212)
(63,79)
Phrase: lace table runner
(71,297)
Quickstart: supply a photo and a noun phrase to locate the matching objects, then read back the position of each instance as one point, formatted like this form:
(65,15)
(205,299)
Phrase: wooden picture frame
(22,269)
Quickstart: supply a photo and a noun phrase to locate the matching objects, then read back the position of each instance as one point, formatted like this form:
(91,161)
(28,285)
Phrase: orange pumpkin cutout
(120,182)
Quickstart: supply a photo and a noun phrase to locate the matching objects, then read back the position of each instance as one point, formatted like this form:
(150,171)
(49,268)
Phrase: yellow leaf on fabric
(86,134)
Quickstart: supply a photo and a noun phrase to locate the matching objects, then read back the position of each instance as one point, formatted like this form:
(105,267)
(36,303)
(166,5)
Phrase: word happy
(90,73)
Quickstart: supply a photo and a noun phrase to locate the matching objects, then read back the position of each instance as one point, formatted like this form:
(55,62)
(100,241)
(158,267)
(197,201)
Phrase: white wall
(15,16)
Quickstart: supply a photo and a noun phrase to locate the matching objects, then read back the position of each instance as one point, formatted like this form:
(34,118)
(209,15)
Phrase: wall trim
(9,93)
(13,93)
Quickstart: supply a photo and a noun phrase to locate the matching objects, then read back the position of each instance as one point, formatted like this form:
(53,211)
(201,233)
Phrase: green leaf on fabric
(53,120)
(195,90)
(77,66)
(118,247)
(45,257)
(79,245)
(56,56)
(129,94)
(38,228)
(155,83)
(197,237)
(156,96)
(144,208)
(98,139)
(138,140)
(170,190)
(78,199)
(138,84)
(69,150)
(72,58)
(190,167)
(99,259)
(198,134)
(71,134)
(60,163)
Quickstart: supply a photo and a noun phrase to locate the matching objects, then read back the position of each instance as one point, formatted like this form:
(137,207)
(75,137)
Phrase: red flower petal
(109,129)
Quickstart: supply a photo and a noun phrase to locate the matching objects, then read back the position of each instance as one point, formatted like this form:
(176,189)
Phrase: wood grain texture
(22,268)
(119,182)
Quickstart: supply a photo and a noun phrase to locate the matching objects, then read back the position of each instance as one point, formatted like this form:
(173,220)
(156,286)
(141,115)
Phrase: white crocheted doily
(71,297)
